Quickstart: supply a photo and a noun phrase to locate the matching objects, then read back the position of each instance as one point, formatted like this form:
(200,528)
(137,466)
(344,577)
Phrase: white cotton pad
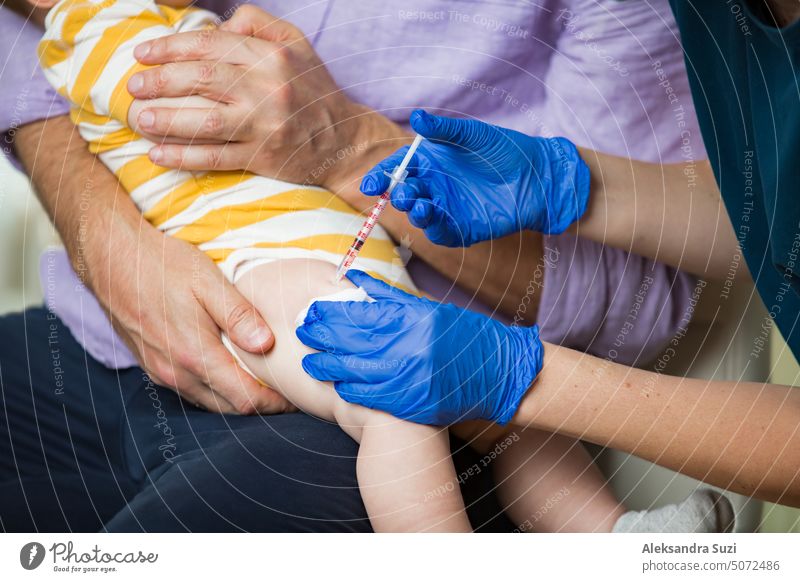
(357,294)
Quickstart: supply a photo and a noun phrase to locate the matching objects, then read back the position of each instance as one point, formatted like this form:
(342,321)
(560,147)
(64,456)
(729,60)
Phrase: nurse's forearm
(670,212)
(741,436)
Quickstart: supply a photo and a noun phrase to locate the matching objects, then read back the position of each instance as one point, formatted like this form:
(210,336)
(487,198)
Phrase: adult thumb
(376,288)
(237,318)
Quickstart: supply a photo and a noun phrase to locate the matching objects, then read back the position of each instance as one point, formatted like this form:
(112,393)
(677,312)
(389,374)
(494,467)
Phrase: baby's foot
(704,511)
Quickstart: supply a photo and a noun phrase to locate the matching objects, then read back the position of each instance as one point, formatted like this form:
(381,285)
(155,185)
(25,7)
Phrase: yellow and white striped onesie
(240,220)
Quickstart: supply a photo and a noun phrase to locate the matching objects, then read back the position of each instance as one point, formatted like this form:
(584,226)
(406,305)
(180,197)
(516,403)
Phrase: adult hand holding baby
(272,107)
(167,300)
(170,311)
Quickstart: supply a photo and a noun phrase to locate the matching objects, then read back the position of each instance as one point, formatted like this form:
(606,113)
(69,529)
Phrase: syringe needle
(397,176)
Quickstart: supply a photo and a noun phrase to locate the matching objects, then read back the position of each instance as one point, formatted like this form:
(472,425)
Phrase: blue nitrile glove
(470,181)
(420,360)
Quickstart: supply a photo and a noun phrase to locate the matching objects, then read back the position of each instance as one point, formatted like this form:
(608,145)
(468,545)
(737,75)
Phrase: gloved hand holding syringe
(397,176)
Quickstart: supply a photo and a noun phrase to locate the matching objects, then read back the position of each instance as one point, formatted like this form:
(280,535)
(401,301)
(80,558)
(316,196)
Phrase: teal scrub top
(743,74)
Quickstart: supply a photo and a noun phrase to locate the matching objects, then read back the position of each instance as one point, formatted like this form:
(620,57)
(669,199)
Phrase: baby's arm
(546,482)
(405,472)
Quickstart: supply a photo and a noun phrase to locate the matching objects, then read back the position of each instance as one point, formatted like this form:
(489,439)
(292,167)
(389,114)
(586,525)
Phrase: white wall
(24,232)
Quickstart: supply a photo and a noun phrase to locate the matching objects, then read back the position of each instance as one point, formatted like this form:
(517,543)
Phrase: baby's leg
(399,462)
(546,482)
(399,465)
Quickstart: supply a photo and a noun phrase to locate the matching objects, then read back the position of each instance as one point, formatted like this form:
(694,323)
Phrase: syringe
(397,176)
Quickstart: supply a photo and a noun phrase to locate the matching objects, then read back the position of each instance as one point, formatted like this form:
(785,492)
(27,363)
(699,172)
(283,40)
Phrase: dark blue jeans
(84,448)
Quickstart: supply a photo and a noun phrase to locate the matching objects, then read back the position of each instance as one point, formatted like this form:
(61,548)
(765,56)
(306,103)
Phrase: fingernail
(146,118)
(368,185)
(419,116)
(135,83)
(312,314)
(259,337)
(306,365)
(156,155)
(141,51)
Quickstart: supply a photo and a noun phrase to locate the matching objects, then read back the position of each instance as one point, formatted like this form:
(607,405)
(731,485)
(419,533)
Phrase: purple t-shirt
(608,75)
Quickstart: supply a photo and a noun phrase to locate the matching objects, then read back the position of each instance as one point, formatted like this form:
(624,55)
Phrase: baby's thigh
(279,291)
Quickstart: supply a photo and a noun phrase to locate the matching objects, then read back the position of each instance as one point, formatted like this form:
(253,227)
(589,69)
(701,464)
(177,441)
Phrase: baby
(259,229)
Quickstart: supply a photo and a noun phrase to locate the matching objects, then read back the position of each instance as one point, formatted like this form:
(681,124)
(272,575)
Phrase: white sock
(704,511)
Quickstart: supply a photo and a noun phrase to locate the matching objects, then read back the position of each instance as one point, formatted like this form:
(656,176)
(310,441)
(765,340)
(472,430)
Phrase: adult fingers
(375,182)
(315,338)
(346,327)
(360,314)
(405,195)
(342,338)
(219,122)
(205,157)
(227,379)
(206,78)
(188,386)
(198,394)
(234,315)
(214,45)
(422,213)
(324,367)
(201,375)
(327,367)
(252,21)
